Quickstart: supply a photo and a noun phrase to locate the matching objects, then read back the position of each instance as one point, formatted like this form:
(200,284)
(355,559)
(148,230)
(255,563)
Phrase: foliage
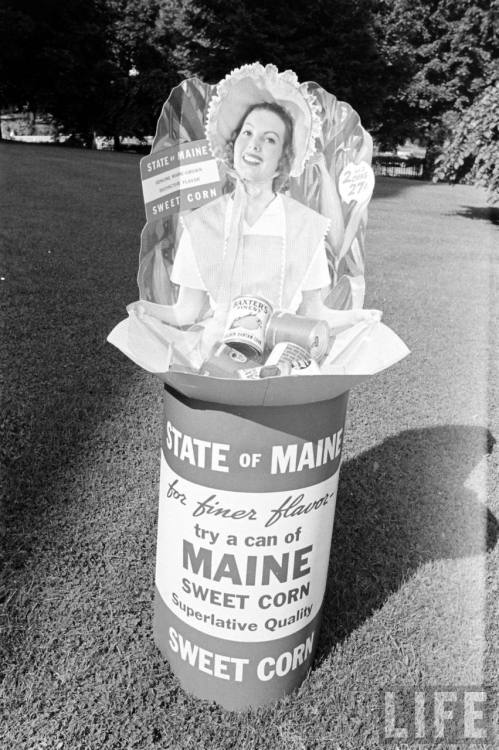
(333,44)
(472,154)
(57,58)
(408,67)
(447,50)
(73,60)
(142,44)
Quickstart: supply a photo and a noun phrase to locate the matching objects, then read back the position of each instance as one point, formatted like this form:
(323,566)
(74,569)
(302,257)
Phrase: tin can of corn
(292,359)
(310,333)
(246,325)
(225,361)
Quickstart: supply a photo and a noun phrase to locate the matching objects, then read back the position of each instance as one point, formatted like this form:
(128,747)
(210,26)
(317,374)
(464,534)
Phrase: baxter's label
(179,178)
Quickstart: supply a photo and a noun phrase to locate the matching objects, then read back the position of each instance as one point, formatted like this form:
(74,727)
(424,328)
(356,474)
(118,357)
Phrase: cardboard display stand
(249,468)
(246,510)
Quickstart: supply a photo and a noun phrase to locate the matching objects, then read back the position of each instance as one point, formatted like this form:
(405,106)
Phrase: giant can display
(246,511)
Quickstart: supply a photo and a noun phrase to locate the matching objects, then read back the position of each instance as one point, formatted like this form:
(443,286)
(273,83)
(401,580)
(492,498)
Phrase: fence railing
(397,166)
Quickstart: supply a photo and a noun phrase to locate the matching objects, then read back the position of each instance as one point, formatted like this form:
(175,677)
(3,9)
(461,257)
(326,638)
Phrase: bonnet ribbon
(231,274)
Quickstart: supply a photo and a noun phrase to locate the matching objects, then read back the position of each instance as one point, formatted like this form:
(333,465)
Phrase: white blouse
(271,223)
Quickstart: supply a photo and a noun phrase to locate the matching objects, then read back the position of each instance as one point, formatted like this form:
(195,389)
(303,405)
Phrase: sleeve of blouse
(185,271)
(317,276)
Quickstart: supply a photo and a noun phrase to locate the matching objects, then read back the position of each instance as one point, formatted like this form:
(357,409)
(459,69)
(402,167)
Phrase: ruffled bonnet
(253,84)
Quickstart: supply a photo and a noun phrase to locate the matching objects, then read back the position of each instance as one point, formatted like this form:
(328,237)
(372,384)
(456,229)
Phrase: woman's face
(258,147)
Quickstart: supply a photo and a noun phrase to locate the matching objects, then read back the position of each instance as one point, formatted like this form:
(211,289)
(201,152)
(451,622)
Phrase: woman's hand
(185,311)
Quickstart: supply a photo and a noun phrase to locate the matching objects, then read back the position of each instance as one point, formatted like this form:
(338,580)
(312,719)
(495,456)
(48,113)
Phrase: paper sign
(356,182)
(210,568)
(179,178)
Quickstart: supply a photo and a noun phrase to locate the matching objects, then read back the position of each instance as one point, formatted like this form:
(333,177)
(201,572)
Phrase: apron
(258,272)
(268,266)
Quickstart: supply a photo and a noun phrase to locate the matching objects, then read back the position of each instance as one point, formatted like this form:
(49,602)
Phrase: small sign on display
(356,182)
(179,178)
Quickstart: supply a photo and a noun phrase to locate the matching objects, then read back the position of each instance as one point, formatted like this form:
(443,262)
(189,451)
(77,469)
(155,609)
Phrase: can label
(247,323)
(264,371)
(252,373)
(292,359)
(310,333)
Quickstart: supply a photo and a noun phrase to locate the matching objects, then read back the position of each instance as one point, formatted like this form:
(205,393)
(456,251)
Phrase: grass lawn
(412,597)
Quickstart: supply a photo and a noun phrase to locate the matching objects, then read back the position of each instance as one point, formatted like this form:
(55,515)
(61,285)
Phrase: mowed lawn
(412,597)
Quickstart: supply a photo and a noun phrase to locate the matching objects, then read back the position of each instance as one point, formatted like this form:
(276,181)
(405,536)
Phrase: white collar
(274,209)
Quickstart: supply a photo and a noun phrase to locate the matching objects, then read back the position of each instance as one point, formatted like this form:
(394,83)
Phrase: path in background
(406,592)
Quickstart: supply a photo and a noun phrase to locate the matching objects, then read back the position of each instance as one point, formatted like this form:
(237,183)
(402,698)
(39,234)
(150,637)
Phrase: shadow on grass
(49,437)
(387,187)
(400,505)
(68,267)
(483,213)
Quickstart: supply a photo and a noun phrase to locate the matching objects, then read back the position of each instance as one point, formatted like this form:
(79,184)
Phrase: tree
(143,39)
(56,59)
(16,26)
(448,49)
(334,44)
(472,153)
(73,60)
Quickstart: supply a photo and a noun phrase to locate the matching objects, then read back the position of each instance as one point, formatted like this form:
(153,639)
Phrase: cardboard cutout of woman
(263,126)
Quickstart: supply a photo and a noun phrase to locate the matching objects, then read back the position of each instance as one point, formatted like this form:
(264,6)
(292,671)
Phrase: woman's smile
(251,159)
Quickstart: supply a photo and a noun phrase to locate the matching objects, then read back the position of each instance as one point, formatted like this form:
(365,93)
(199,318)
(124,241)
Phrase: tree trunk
(432,151)
(89,139)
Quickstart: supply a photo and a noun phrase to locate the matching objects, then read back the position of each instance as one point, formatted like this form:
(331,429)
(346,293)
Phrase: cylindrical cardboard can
(246,510)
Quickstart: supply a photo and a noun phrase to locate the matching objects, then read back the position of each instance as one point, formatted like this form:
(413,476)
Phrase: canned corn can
(225,362)
(247,323)
(310,333)
(292,359)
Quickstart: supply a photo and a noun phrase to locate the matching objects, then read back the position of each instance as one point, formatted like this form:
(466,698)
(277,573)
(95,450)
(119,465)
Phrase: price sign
(356,182)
